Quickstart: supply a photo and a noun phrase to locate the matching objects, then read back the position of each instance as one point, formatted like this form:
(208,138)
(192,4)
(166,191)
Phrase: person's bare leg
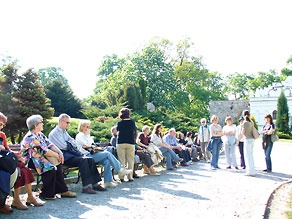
(30,197)
(16,200)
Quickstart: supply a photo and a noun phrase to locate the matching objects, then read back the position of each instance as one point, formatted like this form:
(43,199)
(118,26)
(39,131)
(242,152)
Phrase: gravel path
(188,192)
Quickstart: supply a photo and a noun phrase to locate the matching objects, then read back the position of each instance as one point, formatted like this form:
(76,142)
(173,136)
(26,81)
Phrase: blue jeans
(106,159)
(216,146)
(268,151)
(170,156)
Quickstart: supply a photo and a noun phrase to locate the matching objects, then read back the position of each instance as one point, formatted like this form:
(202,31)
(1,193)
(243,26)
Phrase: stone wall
(226,108)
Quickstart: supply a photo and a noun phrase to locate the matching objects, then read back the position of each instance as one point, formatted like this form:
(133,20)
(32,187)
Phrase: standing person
(204,136)
(156,139)
(229,140)
(267,130)
(240,138)
(105,158)
(215,143)
(127,129)
(36,148)
(248,143)
(25,175)
(89,174)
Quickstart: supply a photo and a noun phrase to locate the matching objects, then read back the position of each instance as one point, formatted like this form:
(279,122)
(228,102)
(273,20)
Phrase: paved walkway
(188,192)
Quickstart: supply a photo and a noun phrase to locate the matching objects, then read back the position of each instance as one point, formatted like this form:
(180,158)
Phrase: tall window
(275,114)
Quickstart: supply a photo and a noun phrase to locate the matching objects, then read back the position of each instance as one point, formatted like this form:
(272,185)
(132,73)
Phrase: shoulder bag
(73,150)
(274,137)
(255,132)
(8,161)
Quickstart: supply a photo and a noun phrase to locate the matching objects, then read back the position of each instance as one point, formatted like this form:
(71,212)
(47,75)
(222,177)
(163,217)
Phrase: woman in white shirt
(229,141)
(105,158)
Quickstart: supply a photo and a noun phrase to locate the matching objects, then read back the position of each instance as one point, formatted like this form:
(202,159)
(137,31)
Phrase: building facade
(264,101)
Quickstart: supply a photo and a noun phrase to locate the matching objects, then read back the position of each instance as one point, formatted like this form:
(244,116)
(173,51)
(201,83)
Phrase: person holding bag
(7,179)
(267,131)
(36,148)
(25,176)
(87,147)
(247,131)
(89,174)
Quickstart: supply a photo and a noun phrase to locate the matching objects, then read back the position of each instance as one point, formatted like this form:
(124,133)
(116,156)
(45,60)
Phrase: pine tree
(63,100)
(30,98)
(282,122)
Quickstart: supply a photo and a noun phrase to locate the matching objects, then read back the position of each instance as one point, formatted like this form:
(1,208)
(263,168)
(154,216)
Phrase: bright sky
(231,35)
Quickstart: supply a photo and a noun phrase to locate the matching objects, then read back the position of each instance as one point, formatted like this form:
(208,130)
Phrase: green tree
(132,96)
(236,85)
(262,80)
(8,85)
(30,99)
(63,100)
(282,122)
(287,71)
(51,74)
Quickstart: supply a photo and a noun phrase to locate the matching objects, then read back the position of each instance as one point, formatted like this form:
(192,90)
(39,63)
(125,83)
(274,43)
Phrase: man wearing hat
(240,138)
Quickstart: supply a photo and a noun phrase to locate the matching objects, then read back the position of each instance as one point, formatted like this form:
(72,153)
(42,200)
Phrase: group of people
(242,136)
(127,148)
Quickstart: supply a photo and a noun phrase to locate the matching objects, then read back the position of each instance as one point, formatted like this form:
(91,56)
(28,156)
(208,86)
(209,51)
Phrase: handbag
(95,149)
(255,132)
(53,160)
(73,150)
(274,137)
(8,161)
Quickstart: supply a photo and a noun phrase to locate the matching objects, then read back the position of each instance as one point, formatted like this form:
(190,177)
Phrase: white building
(265,100)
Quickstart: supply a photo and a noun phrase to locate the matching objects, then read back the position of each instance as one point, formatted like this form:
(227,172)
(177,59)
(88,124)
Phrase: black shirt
(126,131)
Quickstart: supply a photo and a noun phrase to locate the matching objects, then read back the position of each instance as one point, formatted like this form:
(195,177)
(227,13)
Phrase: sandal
(34,203)
(19,205)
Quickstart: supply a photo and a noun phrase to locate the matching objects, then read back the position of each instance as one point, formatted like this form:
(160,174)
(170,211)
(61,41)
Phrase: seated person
(6,182)
(25,177)
(36,148)
(196,149)
(197,144)
(105,158)
(113,142)
(183,153)
(89,174)
(143,142)
(189,146)
(156,139)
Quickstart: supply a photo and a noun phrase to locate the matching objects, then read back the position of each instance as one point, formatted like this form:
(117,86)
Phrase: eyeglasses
(2,124)
(40,122)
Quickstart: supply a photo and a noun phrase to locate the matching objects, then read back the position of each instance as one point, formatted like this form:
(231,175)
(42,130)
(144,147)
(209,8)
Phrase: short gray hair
(62,116)
(33,121)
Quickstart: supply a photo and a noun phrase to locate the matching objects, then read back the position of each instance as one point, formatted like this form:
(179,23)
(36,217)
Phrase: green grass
(289,203)
(285,140)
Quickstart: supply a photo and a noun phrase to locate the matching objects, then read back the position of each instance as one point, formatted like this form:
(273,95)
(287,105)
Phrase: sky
(231,35)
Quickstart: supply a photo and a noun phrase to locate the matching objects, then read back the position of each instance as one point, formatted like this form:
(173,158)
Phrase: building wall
(228,108)
(259,107)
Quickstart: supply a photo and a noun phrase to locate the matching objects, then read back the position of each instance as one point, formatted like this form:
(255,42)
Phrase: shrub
(284,135)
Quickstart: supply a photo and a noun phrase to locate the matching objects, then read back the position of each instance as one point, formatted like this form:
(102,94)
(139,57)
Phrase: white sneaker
(110,185)
(124,172)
